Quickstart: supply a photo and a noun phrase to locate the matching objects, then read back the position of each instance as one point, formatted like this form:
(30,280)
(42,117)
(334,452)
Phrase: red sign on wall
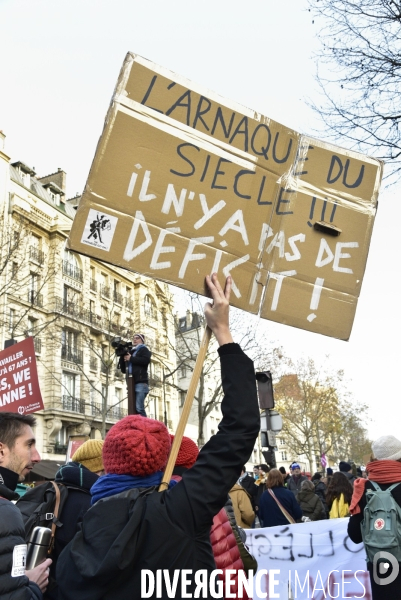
(19,384)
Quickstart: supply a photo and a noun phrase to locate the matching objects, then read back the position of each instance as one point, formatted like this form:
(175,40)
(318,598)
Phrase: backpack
(41,507)
(381,525)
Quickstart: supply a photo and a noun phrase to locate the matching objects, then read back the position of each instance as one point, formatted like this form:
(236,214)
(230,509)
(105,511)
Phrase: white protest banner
(185,182)
(317,559)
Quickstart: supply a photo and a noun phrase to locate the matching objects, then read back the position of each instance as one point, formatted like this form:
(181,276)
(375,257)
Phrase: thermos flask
(38,546)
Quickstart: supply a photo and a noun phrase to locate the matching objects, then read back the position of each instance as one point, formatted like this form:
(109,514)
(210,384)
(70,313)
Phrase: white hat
(387,447)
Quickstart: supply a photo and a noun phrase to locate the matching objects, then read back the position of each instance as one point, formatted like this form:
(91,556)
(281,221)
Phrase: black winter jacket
(123,534)
(77,503)
(140,363)
(12,533)
(311,505)
(294,484)
(321,491)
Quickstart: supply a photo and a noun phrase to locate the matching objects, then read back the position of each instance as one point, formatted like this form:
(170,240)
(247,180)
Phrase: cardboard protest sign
(185,183)
(19,384)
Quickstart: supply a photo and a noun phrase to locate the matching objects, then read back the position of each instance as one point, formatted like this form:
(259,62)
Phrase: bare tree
(319,414)
(25,273)
(189,332)
(89,348)
(359,72)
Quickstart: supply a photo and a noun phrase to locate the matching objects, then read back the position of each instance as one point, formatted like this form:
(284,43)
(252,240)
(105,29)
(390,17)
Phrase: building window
(149,307)
(117,296)
(284,455)
(183,395)
(71,267)
(11,319)
(282,442)
(128,298)
(70,384)
(183,371)
(70,349)
(151,409)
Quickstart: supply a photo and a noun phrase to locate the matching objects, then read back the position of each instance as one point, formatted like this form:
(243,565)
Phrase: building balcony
(118,298)
(72,354)
(112,413)
(117,412)
(73,404)
(60,448)
(72,271)
(69,308)
(105,291)
(37,344)
(36,255)
(35,298)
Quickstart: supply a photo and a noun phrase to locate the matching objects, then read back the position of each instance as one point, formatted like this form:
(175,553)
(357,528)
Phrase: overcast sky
(59,63)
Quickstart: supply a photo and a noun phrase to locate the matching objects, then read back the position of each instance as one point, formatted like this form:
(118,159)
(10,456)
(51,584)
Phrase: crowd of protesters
(115,523)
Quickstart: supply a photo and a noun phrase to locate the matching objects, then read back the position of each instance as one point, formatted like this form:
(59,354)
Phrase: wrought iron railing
(72,271)
(36,255)
(35,298)
(73,404)
(72,354)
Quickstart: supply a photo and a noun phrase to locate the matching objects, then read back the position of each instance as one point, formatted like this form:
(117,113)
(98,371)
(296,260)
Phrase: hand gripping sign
(185,183)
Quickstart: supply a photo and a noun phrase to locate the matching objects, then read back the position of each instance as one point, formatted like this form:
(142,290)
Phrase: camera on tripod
(121,347)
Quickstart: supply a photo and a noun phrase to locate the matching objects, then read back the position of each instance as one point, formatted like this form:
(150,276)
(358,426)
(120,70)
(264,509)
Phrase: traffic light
(270,458)
(265,389)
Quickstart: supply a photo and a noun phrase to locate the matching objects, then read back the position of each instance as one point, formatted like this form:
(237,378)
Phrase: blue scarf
(133,352)
(111,484)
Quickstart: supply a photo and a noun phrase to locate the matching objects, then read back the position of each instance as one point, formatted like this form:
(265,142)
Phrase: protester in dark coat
(248,483)
(270,513)
(228,549)
(131,526)
(310,502)
(321,490)
(135,363)
(296,479)
(346,469)
(285,475)
(18,456)
(78,475)
(385,470)
(260,483)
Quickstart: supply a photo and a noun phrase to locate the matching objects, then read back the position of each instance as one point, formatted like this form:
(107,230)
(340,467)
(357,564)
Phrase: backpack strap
(55,517)
(392,487)
(376,486)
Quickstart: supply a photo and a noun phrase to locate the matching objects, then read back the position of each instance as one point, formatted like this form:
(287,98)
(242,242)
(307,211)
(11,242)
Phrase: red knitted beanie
(136,445)
(187,454)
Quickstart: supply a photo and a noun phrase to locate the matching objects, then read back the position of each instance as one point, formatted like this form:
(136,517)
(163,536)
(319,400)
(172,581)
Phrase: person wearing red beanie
(132,528)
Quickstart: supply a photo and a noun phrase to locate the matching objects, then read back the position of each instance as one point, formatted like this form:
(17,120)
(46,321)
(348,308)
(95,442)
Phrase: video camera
(121,347)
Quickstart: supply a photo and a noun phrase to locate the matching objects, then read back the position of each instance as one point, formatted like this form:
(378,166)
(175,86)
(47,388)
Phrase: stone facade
(74,306)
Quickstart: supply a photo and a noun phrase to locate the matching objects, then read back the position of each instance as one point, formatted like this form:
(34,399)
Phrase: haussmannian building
(74,306)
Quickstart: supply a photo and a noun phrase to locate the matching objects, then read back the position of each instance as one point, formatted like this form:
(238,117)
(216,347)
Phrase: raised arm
(204,488)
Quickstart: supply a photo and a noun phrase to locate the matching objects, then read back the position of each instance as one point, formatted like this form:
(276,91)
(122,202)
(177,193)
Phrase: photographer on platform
(135,363)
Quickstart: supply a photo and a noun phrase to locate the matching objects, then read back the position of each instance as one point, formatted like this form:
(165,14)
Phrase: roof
(47,468)
(38,188)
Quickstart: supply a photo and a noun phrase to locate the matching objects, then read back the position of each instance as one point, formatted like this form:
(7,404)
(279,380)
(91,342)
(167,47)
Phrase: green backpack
(381,525)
